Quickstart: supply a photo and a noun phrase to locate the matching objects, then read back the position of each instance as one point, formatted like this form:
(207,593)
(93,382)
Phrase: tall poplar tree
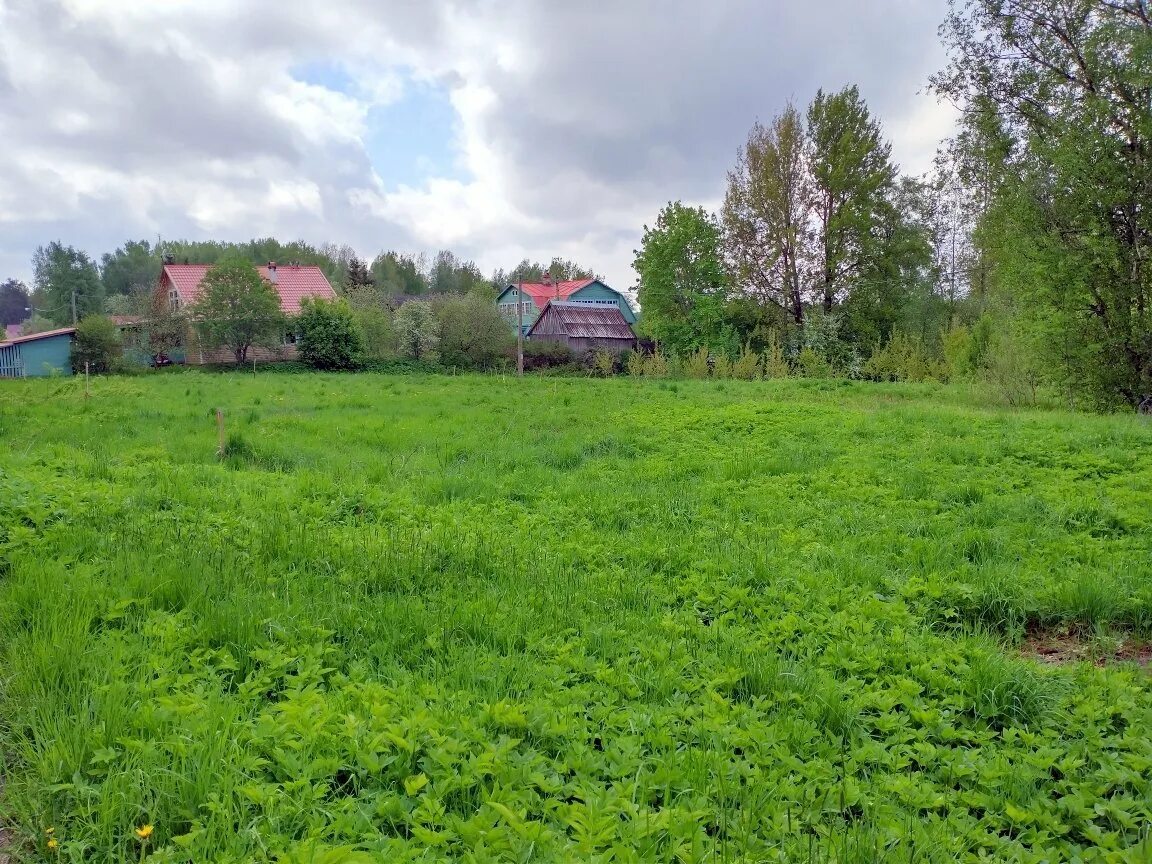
(851,173)
(765,214)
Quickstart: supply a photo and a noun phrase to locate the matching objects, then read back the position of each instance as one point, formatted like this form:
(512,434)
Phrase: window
(174,299)
(289,339)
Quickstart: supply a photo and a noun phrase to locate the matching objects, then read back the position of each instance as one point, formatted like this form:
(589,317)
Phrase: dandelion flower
(144,832)
(49,831)
(52,844)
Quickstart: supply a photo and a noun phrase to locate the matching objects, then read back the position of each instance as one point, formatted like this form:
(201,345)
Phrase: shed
(40,354)
(584,328)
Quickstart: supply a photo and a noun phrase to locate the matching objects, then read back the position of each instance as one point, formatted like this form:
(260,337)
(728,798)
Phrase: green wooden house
(537,295)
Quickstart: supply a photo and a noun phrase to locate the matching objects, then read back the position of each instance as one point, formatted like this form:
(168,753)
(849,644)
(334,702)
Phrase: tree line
(1023,257)
(68,280)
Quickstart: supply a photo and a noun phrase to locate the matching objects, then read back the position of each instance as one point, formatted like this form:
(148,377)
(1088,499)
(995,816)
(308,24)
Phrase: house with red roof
(578,292)
(179,288)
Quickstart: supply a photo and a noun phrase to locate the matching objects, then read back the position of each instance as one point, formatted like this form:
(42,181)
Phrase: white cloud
(575,122)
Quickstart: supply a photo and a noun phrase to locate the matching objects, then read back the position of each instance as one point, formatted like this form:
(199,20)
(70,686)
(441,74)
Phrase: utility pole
(73,307)
(520,326)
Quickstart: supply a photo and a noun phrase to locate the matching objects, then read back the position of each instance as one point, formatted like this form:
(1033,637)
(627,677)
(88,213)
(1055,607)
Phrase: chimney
(272,272)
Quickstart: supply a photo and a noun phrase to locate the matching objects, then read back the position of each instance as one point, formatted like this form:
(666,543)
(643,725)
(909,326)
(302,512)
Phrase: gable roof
(293,283)
(32,337)
(541,293)
(578,321)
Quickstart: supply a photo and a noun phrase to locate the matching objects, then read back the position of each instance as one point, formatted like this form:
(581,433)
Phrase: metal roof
(32,337)
(292,282)
(541,293)
(580,321)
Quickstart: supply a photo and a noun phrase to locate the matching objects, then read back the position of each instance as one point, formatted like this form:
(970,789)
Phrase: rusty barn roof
(580,321)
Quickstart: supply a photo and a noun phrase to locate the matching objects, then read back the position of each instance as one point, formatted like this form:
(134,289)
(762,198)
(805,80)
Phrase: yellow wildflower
(144,832)
(52,844)
(49,831)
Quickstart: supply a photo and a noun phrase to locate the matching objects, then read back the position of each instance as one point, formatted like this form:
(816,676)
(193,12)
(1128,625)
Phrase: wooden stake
(223,445)
(86,394)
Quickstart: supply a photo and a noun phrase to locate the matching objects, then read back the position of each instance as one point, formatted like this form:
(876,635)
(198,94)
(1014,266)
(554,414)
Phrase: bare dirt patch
(1057,647)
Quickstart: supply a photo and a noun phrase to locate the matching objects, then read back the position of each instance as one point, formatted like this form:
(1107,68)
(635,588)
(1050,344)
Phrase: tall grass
(477,619)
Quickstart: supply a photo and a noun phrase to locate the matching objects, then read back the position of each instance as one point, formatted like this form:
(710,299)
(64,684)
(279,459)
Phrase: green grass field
(476,619)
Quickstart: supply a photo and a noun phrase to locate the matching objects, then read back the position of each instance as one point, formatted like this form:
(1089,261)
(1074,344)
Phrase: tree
(1068,232)
(682,284)
(895,290)
(417,330)
(356,276)
(97,343)
(850,170)
(67,283)
(238,309)
(398,275)
(132,269)
(14,302)
(473,335)
(329,335)
(765,215)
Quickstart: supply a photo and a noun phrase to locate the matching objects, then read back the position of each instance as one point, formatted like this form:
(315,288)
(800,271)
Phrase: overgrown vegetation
(666,621)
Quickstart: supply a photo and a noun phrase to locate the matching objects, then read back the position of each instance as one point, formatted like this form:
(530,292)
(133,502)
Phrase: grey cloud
(622,107)
(690,83)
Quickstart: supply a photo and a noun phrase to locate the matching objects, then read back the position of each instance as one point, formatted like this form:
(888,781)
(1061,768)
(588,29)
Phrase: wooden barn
(584,328)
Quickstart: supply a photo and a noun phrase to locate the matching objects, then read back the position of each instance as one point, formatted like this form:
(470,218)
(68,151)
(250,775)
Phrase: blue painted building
(582,292)
(41,354)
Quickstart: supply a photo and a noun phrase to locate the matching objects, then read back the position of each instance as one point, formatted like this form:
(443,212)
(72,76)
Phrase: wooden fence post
(223,444)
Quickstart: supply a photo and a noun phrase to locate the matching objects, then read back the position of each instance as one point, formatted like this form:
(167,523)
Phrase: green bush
(379,334)
(747,366)
(775,363)
(904,358)
(473,335)
(97,343)
(417,330)
(329,336)
(813,365)
(547,355)
(696,364)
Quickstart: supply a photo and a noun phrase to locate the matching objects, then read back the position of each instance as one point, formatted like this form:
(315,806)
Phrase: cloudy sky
(497,128)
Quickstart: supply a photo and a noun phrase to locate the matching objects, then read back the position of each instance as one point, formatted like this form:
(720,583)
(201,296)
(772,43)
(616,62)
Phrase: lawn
(478,619)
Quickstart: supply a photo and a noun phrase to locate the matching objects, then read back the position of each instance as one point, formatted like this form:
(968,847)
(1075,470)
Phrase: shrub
(547,355)
(655,365)
(634,365)
(603,364)
(903,358)
(747,365)
(473,335)
(775,364)
(696,364)
(957,346)
(329,335)
(417,330)
(721,366)
(812,365)
(379,335)
(97,343)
